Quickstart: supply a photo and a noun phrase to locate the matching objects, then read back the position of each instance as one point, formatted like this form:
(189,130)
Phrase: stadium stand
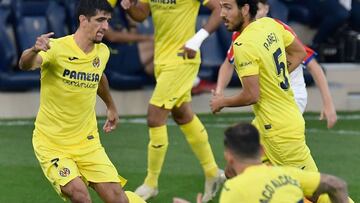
(146,27)
(23,20)
(56,17)
(124,69)
(12,79)
(30,22)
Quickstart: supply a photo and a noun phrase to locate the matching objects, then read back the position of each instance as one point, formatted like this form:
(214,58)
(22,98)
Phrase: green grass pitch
(336,151)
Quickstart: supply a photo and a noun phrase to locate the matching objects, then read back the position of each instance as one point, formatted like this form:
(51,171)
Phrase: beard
(236,27)
(97,41)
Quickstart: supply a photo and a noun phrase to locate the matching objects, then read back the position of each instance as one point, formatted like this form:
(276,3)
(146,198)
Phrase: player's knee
(81,197)
(182,116)
(182,119)
(76,191)
(78,195)
(116,196)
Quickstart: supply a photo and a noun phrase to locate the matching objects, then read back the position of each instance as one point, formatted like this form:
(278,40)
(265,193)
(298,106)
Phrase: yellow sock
(156,154)
(197,137)
(134,198)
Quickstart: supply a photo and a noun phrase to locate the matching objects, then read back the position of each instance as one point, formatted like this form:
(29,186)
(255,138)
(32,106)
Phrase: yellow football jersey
(263,183)
(112,2)
(69,83)
(260,50)
(174,23)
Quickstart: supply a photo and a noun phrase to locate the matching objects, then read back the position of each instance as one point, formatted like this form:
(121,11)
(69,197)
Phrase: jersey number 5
(280,67)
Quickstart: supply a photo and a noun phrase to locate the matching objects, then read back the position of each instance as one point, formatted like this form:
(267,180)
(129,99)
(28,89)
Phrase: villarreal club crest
(96,62)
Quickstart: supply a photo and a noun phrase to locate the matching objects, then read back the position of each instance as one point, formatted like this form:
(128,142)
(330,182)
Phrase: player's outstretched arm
(328,112)
(225,73)
(112,114)
(335,187)
(29,58)
(138,11)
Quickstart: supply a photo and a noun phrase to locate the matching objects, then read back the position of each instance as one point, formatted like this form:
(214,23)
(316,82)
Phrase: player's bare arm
(249,95)
(193,44)
(214,19)
(334,187)
(30,59)
(328,111)
(225,73)
(295,54)
(112,114)
(138,11)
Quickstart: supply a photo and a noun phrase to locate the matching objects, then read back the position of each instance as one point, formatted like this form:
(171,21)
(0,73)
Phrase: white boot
(213,185)
(146,192)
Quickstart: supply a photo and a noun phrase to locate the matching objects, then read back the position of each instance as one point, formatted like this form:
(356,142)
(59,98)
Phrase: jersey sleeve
(112,2)
(204,2)
(246,59)
(310,54)
(288,33)
(229,193)
(105,49)
(309,181)
(288,37)
(48,56)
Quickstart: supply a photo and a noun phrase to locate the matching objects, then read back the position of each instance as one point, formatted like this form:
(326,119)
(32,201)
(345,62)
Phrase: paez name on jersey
(271,39)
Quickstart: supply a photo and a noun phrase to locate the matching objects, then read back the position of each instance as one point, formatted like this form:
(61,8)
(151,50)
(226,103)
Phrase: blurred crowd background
(331,26)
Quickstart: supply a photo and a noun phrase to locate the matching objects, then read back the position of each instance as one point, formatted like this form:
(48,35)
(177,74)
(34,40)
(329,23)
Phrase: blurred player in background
(66,139)
(177,61)
(141,46)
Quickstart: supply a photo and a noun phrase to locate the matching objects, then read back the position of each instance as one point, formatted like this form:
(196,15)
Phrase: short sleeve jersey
(69,83)
(174,23)
(260,50)
(269,184)
(310,53)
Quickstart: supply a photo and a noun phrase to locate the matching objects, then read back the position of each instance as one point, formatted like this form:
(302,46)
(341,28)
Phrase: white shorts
(301,103)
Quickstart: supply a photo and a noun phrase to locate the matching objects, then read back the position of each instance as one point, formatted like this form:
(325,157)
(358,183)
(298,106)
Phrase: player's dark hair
(243,140)
(252,4)
(263,1)
(89,8)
